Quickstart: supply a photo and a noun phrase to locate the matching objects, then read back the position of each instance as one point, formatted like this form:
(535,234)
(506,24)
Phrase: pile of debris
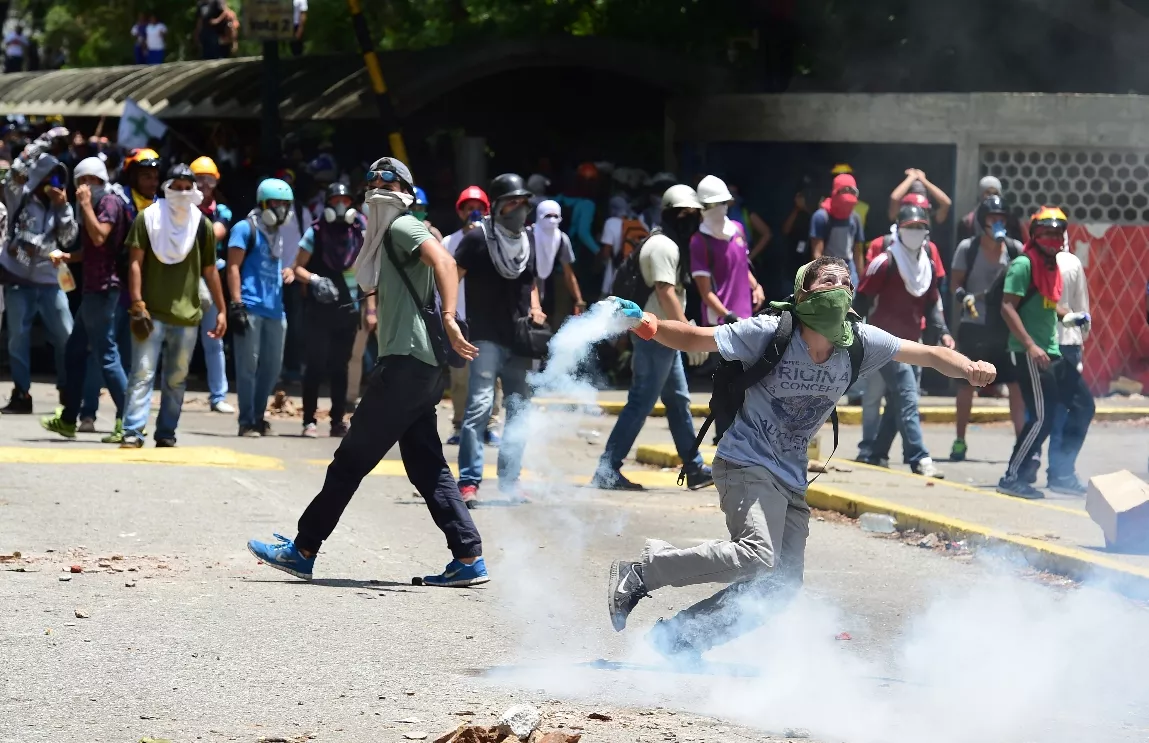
(518,724)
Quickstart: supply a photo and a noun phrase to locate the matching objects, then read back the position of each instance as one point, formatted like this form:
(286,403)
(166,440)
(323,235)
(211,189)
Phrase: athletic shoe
(249,432)
(458,575)
(131,441)
(492,438)
(283,556)
(1068,485)
(624,589)
(614,480)
(222,407)
(470,495)
(87,425)
(264,428)
(310,431)
(959,450)
(20,403)
(165,443)
(338,430)
(925,467)
(117,434)
(668,643)
(56,424)
(699,478)
(1018,489)
(453,440)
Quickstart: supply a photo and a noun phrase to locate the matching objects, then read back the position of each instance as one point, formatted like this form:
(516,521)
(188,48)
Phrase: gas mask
(996,230)
(273,216)
(340,212)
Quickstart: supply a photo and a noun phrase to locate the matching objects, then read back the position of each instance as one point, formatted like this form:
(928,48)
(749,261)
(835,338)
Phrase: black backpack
(997,331)
(732,379)
(628,282)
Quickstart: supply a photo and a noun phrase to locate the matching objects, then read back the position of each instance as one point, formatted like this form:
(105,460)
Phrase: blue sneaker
(284,556)
(492,438)
(454,439)
(458,575)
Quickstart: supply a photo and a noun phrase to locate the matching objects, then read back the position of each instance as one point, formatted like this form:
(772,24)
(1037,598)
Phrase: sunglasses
(387,176)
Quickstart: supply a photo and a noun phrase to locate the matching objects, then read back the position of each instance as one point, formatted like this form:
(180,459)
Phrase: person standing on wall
(401,258)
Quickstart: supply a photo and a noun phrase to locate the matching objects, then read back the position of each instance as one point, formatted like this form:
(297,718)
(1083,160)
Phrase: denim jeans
(258,359)
(902,407)
(658,372)
(213,357)
(494,362)
(93,341)
(175,343)
(1073,412)
(23,303)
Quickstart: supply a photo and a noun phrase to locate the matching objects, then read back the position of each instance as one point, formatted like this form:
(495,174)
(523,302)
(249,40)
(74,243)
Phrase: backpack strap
(771,357)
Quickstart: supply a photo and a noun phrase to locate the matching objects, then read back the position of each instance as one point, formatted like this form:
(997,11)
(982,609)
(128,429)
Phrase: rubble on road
(519,723)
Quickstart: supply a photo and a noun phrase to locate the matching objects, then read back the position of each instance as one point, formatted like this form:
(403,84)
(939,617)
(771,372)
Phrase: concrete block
(1119,504)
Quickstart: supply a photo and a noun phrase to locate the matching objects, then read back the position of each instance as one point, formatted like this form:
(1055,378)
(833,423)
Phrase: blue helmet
(420,197)
(273,189)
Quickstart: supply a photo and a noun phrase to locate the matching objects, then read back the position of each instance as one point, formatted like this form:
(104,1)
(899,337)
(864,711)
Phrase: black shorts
(974,342)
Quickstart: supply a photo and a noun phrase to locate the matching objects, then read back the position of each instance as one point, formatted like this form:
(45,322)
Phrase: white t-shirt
(155,36)
(450,242)
(12,45)
(612,236)
(1074,297)
(298,7)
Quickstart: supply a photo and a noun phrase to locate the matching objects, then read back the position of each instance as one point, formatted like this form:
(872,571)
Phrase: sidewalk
(932,409)
(1055,534)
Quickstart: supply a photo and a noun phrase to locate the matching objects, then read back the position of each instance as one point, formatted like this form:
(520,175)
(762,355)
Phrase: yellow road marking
(188,456)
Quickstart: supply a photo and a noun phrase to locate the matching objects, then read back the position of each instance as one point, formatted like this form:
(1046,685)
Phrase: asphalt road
(208,645)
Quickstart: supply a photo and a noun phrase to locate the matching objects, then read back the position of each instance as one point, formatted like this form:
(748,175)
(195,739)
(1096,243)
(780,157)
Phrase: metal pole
(269,141)
(387,114)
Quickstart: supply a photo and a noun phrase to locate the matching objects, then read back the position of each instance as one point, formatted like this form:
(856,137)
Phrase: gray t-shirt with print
(785,410)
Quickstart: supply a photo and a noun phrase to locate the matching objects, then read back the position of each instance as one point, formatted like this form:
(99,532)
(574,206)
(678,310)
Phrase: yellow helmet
(1049,217)
(204,165)
(142,157)
(841,168)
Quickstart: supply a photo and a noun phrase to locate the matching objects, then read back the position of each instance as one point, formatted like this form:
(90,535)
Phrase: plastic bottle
(64,278)
(878,523)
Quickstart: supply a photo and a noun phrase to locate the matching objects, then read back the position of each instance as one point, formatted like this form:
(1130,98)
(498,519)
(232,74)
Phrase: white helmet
(712,190)
(680,196)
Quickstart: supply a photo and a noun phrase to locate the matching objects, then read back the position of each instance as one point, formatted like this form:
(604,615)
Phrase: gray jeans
(765,555)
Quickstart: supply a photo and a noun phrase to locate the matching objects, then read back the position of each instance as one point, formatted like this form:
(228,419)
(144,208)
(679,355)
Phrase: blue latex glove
(627,308)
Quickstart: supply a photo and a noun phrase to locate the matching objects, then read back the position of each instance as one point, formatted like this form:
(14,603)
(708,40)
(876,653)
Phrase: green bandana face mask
(825,312)
(420,214)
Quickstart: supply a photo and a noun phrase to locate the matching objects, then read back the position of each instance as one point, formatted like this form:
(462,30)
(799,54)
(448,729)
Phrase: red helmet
(916,199)
(474,193)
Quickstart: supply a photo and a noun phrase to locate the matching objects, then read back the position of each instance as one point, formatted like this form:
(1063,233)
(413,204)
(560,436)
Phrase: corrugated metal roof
(324,87)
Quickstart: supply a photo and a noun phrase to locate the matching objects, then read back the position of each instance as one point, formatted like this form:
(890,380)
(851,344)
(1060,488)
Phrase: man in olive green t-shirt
(171,244)
(1030,309)
(398,406)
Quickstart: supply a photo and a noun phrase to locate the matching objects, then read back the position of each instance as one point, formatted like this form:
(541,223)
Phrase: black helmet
(337,189)
(181,172)
(992,204)
(508,186)
(909,213)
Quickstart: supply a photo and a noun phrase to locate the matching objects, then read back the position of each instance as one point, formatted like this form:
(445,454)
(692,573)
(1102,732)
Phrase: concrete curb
(852,414)
(1074,563)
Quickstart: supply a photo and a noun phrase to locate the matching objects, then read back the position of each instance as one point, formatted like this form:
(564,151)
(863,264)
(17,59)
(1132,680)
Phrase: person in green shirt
(171,245)
(399,258)
(1029,306)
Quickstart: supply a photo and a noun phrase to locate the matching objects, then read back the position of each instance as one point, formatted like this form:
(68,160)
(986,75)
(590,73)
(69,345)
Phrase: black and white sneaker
(624,589)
